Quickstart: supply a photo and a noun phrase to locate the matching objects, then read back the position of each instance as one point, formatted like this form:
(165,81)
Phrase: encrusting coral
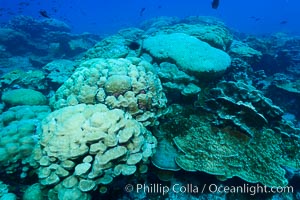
(226,153)
(236,132)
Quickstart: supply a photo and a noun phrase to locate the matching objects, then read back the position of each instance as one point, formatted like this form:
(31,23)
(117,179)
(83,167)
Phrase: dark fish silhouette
(10,13)
(23,3)
(215,4)
(283,22)
(54,9)
(255,18)
(44,13)
(142,11)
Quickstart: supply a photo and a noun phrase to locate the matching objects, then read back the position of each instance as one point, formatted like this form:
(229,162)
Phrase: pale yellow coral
(99,137)
(118,83)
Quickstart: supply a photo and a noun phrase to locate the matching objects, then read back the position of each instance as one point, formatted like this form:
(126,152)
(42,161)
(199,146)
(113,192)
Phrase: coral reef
(18,136)
(190,54)
(31,79)
(46,39)
(226,153)
(291,87)
(127,84)
(23,97)
(241,123)
(207,29)
(111,47)
(173,102)
(241,50)
(164,157)
(58,71)
(4,192)
(33,192)
(117,46)
(101,145)
(3,189)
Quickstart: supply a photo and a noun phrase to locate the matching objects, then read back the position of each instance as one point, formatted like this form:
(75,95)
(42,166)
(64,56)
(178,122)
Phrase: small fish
(54,9)
(142,11)
(44,13)
(255,18)
(283,22)
(215,4)
(23,3)
(10,13)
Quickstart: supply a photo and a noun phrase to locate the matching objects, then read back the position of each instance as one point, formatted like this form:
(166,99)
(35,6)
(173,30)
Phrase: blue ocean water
(108,16)
(149,99)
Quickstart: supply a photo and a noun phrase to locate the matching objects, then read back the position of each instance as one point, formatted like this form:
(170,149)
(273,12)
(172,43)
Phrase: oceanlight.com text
(158,188)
